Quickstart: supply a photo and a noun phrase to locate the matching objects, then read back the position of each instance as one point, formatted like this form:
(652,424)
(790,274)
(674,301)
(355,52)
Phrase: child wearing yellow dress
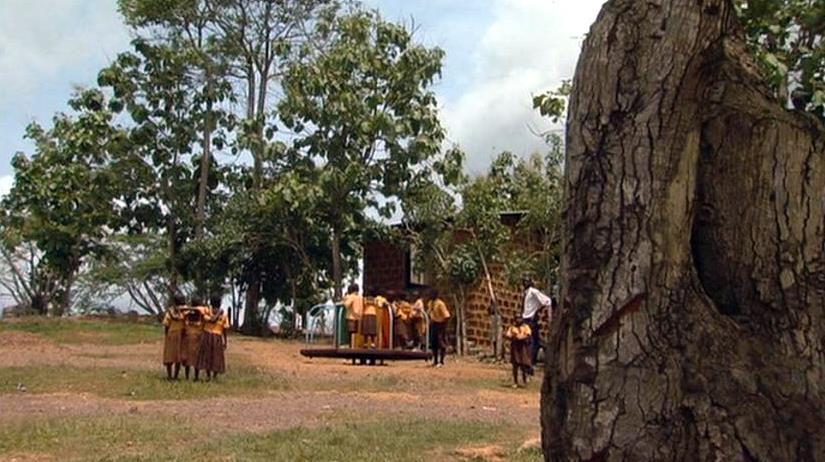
(192,333)
(354,304)
(213,342)
(519,334)
(173,336)
(369,321)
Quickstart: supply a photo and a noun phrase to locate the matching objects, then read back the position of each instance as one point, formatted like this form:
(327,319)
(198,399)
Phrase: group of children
(410,326)
(195,337)
(195,334)
(410,323)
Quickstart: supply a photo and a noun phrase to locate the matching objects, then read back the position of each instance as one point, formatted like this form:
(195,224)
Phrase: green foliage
(553,104)
(788,38)
(277,236)
(63,198)
(363,113)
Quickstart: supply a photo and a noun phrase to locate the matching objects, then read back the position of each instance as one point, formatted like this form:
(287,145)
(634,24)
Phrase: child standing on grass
(439,315)
(193,331)
(173,337)
(519,334)
(213,341)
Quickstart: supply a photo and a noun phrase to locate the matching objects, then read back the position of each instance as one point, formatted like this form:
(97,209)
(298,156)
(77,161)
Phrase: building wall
(385,267)
(479,320)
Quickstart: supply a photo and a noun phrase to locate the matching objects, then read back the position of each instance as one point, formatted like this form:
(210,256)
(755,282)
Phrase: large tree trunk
(693,282)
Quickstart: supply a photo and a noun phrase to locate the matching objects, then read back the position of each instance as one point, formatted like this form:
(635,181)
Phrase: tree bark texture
(693,267)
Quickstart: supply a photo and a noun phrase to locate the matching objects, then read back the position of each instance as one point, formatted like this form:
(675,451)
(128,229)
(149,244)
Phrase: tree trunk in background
(692,324)
(203,181)
(252,322)
(337,270)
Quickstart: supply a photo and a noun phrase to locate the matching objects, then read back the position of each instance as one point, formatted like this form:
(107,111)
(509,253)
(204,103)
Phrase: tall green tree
(65,196)
(166,103)
(275,238)
(251,41)
(364,118)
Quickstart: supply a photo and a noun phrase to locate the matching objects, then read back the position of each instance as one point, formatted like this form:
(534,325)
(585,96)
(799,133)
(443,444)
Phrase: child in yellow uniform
(417,322)
(519,335)
(173,337)
(439,316)
(213,341)
(192,333)
(369,321)
(354,304)
(403,323)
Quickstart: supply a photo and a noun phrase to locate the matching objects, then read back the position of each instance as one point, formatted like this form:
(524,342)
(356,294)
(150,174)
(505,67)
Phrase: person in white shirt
(534,302)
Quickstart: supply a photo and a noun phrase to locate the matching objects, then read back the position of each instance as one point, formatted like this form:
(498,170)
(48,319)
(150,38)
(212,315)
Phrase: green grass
(137,438)
(99,438)
(136,384)
(401,441)
(74,331)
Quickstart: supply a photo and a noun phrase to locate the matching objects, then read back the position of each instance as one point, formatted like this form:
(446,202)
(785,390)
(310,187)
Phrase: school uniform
(419,324)
(173,340)
(369,318)
(211,353)
(192,335)
(439,316)
(520,340)
(403,324)
(354,305)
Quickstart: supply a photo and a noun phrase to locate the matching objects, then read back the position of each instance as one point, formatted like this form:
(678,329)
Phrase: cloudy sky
(499,53)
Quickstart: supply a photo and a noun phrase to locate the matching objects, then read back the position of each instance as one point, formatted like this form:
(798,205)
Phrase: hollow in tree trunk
(693,268)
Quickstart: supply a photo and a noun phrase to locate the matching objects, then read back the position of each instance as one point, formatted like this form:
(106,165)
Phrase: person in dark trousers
(439,316)
(534,303)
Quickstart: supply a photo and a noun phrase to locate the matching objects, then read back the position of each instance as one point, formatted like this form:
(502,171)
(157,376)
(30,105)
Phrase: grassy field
(76,331)
(135,384)
(143,439)
(93,391)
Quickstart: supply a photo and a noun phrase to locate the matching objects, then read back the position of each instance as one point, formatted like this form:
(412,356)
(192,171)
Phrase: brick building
(390,267)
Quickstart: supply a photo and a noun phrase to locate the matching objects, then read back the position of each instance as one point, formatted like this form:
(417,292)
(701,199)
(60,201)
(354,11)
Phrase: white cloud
(42,39)
(530,47)
(5,184)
